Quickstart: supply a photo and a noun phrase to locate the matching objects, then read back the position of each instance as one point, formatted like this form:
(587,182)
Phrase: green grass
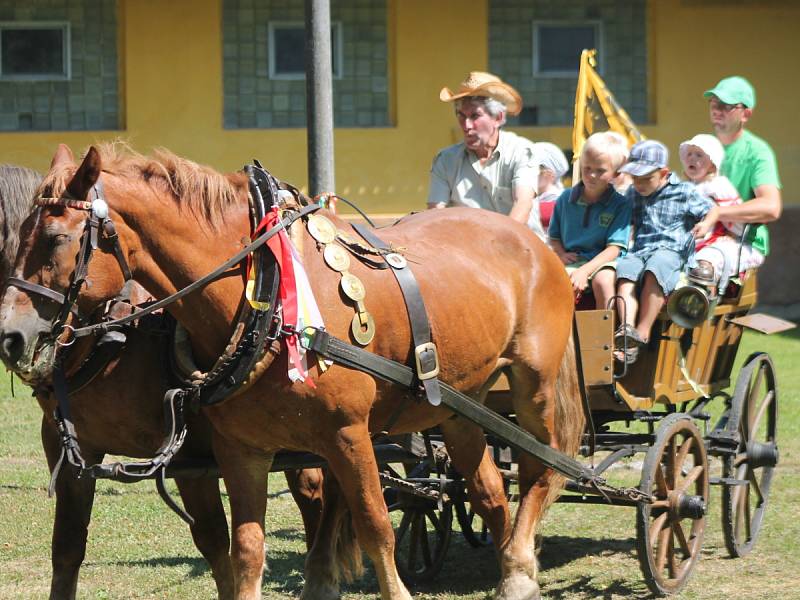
(139,549)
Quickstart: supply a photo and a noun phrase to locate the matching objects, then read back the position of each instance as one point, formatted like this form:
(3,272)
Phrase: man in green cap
(750,165)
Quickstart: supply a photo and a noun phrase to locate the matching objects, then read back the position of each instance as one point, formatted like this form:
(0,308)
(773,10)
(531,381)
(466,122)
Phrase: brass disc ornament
(363,333)
(352,287)
(336,257)
(321,229)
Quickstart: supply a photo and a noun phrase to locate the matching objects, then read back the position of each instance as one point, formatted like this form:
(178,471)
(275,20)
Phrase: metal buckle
(418,351)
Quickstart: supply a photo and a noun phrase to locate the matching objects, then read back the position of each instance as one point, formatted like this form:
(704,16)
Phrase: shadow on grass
(584,587)
(197,565)
(559,550)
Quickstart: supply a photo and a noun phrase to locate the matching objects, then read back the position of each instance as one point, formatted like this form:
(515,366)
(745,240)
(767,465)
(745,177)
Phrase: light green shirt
(459,179)
(749,162)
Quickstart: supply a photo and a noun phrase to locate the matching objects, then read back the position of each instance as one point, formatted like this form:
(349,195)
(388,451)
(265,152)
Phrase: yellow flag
(596,109)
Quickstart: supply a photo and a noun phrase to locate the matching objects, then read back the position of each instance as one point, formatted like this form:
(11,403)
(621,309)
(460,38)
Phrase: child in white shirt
(718,253)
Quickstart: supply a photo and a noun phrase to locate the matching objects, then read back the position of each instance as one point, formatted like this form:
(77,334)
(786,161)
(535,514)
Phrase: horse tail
(348,559)
(570,420)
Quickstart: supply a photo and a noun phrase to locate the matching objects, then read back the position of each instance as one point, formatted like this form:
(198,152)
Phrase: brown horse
(497,298)
(112,415)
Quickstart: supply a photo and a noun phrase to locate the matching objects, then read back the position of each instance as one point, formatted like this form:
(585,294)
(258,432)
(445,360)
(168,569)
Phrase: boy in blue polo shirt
(668,215)
(590,225)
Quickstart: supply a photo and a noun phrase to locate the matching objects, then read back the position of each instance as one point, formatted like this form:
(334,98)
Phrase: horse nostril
(12,345)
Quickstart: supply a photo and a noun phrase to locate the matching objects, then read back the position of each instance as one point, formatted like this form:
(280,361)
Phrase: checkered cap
(646,157)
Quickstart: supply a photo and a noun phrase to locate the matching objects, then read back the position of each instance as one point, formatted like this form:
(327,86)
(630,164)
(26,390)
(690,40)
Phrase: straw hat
(478,83)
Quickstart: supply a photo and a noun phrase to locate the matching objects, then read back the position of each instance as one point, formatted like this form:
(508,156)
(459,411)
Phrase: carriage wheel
(754,415)
(423,535)
(670,530)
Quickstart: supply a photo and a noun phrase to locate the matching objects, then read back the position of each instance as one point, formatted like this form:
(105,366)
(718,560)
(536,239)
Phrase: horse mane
(17,189)
(199,188)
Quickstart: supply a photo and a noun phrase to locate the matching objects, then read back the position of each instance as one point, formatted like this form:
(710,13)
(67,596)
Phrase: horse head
(53,281)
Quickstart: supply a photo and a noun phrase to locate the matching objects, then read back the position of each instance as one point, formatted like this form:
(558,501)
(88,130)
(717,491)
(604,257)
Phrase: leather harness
(259,326)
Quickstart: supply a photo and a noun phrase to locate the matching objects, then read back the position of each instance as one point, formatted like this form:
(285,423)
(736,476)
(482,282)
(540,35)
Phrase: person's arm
(522,202)
(439,188)
(580,277)
(566,257)
(766,206)
(705,224)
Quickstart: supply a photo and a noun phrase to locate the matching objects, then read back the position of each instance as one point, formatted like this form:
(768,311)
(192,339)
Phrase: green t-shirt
(749,162)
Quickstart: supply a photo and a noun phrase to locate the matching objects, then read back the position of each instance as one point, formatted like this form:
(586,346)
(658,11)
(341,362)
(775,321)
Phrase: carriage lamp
(691,303)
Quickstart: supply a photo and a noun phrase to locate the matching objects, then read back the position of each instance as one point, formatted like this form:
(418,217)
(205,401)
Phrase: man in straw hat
(491,169)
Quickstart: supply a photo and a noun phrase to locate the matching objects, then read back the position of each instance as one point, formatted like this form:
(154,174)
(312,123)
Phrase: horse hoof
(518,587)
(320,592)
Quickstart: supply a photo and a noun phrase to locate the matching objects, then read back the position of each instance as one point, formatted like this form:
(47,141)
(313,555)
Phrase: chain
(630,493)
(416,489)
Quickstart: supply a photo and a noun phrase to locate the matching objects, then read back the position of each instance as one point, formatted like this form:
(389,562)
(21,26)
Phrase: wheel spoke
(664,548)
(681,537)
(742,514)
(766,402)
(403,527)
(670,544)
(755,485)
(683,452)
(437,524)
(661,482)
(657,525)
(749,403)
(414,542)
(690,478)
(424,543)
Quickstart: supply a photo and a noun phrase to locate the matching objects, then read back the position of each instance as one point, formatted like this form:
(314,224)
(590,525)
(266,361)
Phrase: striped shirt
(665,218)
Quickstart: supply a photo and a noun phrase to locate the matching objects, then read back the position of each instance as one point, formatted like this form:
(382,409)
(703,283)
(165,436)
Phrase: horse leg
(352,461)
(466,445)
(74,499)
(201,499)
(306,488)
(518,561)
(321,569)
(245,473)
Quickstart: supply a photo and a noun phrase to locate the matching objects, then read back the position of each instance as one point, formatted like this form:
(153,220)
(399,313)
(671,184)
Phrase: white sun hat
(709,144)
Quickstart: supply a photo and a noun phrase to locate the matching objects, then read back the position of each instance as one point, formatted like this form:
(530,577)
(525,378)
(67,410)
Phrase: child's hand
(568,257)
(702,229)
(579,279)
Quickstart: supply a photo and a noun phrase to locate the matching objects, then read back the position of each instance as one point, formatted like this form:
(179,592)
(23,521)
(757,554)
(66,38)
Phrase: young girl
(717,254)
(552,167)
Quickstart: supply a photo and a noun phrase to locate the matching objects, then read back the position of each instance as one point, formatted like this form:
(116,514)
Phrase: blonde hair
(608,143)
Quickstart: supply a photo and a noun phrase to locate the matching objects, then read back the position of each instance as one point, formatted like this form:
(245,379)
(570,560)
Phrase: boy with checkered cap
(668,215)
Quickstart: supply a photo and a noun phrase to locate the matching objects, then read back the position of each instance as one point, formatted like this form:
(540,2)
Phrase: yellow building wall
(172,91)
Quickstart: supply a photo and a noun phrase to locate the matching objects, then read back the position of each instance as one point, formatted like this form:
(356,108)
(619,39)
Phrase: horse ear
(62,155)
(86,175)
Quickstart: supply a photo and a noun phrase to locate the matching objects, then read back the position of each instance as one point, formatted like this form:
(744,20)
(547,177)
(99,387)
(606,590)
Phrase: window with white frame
(286,51)
(557,46)
(34,51)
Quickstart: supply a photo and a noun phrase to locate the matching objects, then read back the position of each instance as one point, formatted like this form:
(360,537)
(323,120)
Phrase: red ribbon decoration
(281,248)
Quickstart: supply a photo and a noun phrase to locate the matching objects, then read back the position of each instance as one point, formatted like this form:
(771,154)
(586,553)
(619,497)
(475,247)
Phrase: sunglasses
(722,107)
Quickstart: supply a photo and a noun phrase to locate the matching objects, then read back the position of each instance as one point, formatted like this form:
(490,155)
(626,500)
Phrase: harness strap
(362,360)
(231,262)
(425,354)
(111,234)
(36,289)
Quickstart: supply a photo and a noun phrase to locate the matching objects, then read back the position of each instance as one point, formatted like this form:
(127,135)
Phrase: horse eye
(57,239)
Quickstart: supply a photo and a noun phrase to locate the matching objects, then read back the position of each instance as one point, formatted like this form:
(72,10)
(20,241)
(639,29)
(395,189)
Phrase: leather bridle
(97,221)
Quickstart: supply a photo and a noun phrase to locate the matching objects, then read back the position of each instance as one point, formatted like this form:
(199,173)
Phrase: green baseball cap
(734,90)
